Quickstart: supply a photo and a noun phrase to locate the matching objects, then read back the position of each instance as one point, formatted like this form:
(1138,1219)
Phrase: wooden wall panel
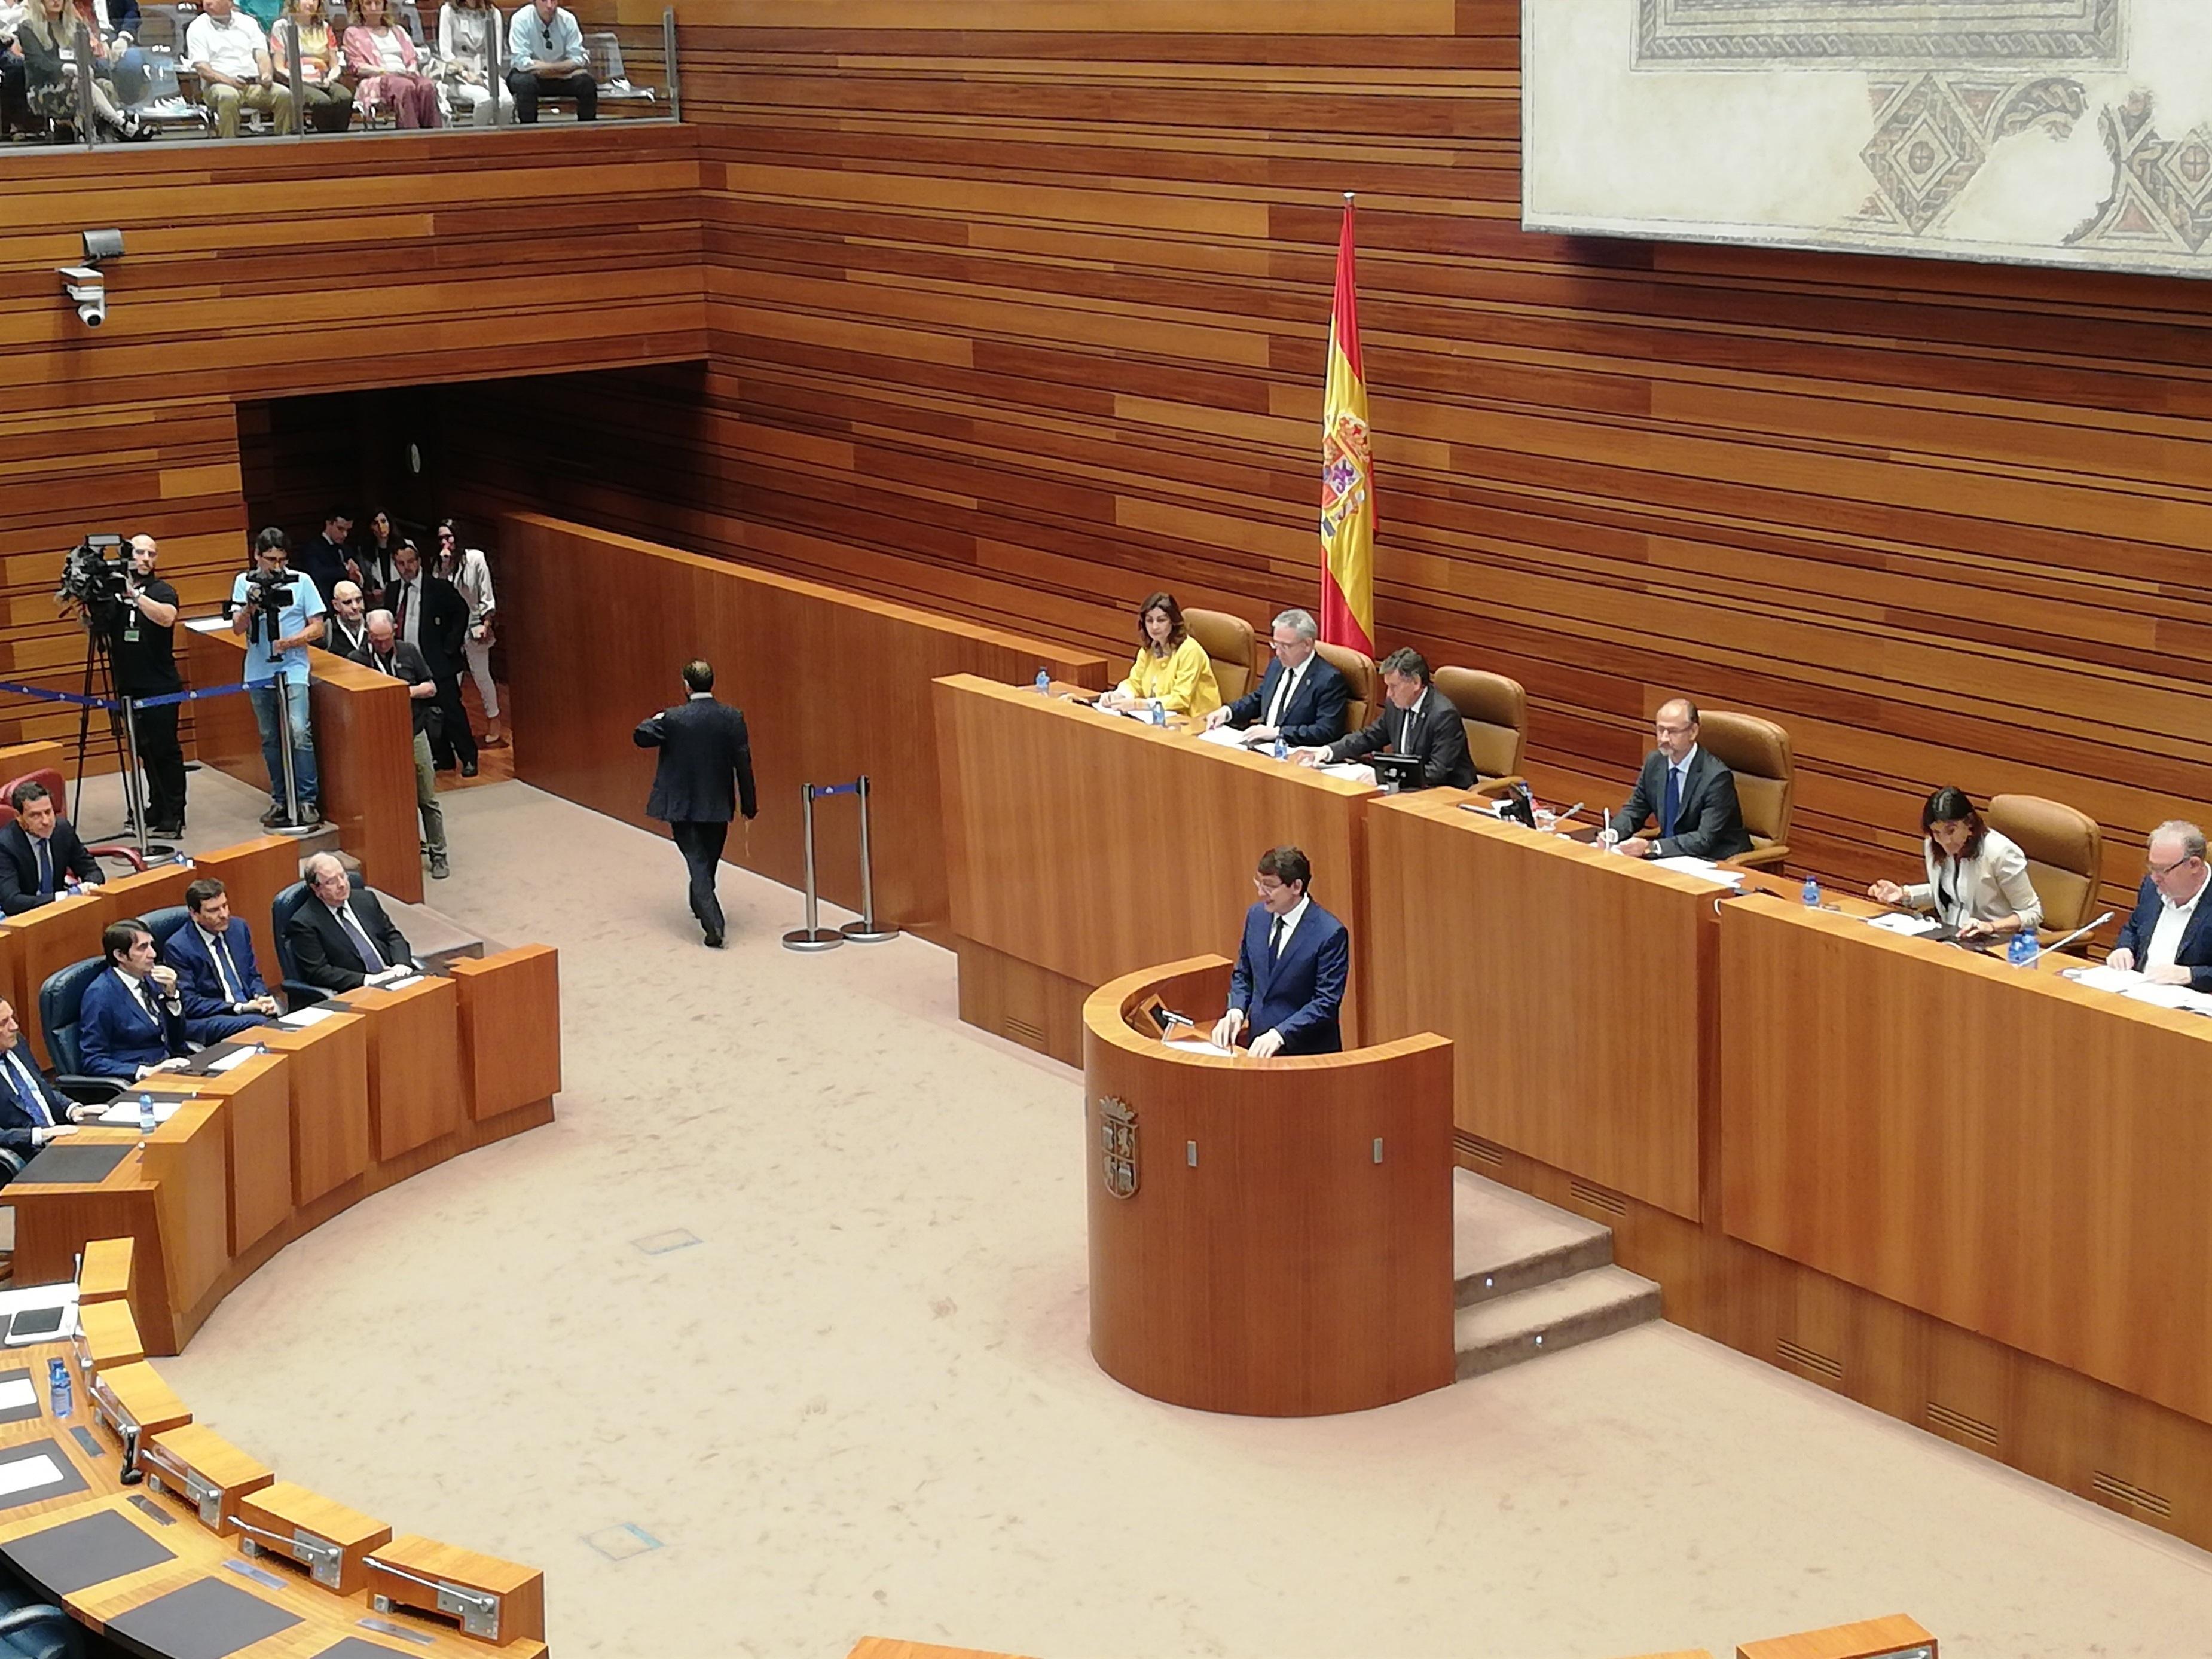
(1022,315)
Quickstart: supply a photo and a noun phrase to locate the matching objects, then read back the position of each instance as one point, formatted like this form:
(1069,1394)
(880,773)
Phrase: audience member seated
(386,69)
(40,854)
(341,939)
(465,28)
(325,99)
(131,1022)
(1300,699)
(1419,720)
(213,954)
(33,1112)
(116,23)
(15,105)
(1171,667)
(230,55)
(2168,940)
(1687,790)
(1977,881)
(348,635)
(545,58)
(51,85)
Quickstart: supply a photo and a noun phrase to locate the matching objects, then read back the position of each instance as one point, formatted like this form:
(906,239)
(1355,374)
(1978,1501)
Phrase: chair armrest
(128,854)
(1758,858)
(297,993)
(88,1091)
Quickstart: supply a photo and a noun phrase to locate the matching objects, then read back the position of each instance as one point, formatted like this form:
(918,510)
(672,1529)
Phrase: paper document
(401,983)
(1897,922)
(16,1392)
(1197,1045)
(307,1017)
(1702,869)
(2105,979)
(124,1114)
(31,1472)
(209,625)
(1227,736)
(2169,996)
(1349,772)
(229,1062)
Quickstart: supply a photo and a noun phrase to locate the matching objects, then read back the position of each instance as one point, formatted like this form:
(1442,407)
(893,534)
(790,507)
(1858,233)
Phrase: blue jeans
(303,740)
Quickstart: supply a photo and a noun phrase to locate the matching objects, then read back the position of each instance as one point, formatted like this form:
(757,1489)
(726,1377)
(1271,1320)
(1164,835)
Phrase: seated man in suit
(33,1112)
(1689,793)
(2168,940)
(1419,720)
(1300,699)
(39,854)
(131,1022)
(1288,985)
(342,939)
(213,955)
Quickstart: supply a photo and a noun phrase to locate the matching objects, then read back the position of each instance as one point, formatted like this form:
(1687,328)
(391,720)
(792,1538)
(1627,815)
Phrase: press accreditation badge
(131,633)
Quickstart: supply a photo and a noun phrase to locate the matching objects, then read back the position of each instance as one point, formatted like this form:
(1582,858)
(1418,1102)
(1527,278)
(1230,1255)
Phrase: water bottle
(1159,712)
(1812,894)
(1044,682)
(145,1115)
(1282,748)
(2023,948)
(61,1393)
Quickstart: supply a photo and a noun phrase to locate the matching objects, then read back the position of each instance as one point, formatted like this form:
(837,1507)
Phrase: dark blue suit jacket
(16,1123)
(116,1038)
(187,953)
(1301,992)
(1315,714)
(2195,951)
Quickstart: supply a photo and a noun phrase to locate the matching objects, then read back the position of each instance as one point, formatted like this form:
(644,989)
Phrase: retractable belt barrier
(865,931)
(46,693)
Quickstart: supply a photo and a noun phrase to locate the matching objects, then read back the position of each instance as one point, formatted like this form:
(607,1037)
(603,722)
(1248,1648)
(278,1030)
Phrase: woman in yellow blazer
(1170,665)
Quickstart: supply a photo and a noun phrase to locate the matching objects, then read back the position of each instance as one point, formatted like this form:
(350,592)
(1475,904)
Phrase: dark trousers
(165,764)
(701,847)
(529,89)
(454,736)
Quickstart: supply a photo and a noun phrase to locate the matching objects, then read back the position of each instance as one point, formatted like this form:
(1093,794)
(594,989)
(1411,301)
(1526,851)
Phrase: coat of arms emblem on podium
(1117,1146)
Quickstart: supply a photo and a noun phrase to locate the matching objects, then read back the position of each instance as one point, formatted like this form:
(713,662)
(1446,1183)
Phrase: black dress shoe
(713,941)
(468,768)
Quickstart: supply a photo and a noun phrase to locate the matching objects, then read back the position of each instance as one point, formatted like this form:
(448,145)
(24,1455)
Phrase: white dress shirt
(218,950)
(228,46)
(1290,919)
(2173,922)
(1285,689)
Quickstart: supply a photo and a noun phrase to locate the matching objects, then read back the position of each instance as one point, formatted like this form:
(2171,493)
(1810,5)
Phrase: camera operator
(144,649)
(279,614)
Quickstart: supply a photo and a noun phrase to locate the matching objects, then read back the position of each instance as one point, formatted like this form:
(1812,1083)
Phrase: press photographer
(279,614)
(142,643)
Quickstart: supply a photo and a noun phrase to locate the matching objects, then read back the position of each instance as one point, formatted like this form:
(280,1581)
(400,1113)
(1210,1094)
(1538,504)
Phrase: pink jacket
(363,57)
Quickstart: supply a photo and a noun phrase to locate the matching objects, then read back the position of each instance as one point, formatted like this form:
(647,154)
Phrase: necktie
(1406,736)
(145,1001)
(225,969)
(1674,806)
(406,592)
(1275,937)
(370,960)
(46,867)
(1283,688)
(34,1101)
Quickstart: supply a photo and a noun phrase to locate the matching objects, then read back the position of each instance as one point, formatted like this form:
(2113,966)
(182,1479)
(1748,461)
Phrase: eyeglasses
(1670,731)
(2185,857)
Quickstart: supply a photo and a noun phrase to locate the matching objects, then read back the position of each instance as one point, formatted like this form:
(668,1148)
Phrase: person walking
(704,779)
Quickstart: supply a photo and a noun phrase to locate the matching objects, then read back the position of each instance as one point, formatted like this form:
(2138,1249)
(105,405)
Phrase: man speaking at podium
(1288,985)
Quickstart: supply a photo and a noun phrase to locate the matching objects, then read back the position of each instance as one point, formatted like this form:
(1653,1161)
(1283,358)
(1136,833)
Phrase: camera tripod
(99,672)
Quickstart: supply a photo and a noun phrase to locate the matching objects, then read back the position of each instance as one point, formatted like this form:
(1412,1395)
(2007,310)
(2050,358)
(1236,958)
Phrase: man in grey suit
(704,778)
(1691,795)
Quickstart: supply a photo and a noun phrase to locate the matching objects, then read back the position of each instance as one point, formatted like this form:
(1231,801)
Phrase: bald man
(348,634)
(144,648)
(1686,793)
(341,939)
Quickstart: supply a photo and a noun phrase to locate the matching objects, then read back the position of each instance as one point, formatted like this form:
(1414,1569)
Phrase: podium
(1268,1237)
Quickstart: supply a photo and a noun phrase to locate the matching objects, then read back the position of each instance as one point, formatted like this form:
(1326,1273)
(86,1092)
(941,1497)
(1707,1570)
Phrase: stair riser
(1571,1332)
(1543,1268)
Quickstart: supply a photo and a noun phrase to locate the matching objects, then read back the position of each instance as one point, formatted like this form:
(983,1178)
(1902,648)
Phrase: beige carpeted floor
(777,1337)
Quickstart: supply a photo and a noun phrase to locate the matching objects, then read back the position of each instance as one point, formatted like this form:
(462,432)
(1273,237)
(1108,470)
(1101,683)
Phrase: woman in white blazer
(1977,879)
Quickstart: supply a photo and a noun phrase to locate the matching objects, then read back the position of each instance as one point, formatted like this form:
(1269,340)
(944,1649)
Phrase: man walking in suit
(1689,793)
(1300,699)
(131,1021)
(2168,940)
(341,939)
(703,749)
(1288,984)
(431,615)
(40,854)
(213,955)
(33,1112)
(1419,720)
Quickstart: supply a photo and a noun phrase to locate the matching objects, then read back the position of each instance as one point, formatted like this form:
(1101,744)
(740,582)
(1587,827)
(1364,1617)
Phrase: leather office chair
(1230,643)
(1359,671)
(59,791)
(164,922)
(2065,852)
(1495,712)
(1758,751)
(59,1000)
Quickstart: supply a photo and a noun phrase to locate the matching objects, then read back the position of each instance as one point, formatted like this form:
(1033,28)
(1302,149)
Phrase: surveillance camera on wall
(89,289)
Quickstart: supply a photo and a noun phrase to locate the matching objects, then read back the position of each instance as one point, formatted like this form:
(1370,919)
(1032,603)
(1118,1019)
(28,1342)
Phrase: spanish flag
(1347,477)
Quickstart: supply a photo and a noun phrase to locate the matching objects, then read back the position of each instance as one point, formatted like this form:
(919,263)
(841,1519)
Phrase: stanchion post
(865,930)
(813,936)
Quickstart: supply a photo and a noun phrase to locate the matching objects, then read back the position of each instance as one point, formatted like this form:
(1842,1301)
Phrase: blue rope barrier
(168,697)
(44,695)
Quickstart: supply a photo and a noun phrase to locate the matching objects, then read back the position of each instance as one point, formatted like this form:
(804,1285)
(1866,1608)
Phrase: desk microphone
(2081,932)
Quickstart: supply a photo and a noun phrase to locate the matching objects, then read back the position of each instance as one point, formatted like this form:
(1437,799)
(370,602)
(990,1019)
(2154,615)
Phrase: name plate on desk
(491,1600)
(330,1540)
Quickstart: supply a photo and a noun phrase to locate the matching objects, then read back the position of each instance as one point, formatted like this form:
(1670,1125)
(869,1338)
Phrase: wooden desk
(364,736)
(330,1139)
(1577,982)
(414,1064)
(648,610)
(142,892)
(1083,847)
(510,1028)
(43,942)
(1286,1250)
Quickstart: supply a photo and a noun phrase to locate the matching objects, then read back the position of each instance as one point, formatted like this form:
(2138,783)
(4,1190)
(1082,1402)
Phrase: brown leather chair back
(1495,711)
(1758,751)
(2065,852)
(1359,671)
(1230,643)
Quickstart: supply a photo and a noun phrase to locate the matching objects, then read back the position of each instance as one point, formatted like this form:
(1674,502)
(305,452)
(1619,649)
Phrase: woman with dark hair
(372,558)
(1977,879)
(1171,667)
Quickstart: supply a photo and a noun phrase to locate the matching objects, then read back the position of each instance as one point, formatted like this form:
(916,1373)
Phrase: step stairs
(1529,1280)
